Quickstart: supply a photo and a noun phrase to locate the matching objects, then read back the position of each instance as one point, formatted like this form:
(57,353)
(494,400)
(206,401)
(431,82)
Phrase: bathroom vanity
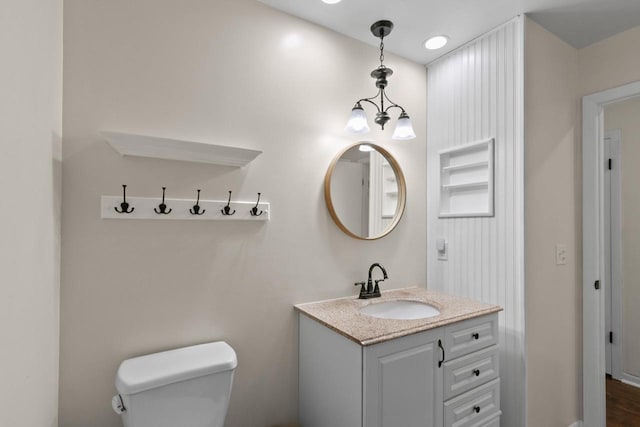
(358,370)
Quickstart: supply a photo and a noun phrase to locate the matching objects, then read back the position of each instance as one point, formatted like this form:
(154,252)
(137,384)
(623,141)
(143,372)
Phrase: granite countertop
(343,314)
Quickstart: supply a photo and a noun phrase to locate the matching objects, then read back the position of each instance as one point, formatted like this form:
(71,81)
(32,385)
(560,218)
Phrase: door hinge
(597,284)
(611,337)
(610,164)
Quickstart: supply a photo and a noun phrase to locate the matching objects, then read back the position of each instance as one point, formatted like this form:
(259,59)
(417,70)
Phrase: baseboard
(576,424)
(631,382)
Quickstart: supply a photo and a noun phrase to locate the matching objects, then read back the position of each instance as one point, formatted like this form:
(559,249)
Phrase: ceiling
(578,22)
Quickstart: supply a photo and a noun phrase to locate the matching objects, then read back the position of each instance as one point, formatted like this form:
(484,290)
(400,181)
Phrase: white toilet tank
(185,387)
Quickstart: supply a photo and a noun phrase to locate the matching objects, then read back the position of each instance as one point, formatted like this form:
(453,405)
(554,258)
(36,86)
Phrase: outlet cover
(561,254)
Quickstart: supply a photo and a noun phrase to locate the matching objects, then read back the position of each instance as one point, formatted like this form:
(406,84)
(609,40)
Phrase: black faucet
(372,291)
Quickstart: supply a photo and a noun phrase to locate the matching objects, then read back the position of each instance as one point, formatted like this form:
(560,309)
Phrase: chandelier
(358,120)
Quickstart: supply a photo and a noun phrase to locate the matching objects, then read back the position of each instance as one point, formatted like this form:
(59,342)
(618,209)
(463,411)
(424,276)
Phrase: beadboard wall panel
(475,93)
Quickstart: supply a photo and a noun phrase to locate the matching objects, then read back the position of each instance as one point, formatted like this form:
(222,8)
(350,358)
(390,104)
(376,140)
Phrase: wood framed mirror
(365,191)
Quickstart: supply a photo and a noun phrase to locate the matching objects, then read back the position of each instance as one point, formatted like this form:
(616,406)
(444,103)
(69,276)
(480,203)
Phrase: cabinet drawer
(471,335)
(464,373)
(474,408)
(493,422)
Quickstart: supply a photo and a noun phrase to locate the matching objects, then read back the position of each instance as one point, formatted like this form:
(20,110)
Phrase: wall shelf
(143,209)
(390,189)
(466,185)
(128,144)
(471,165)
(466,180)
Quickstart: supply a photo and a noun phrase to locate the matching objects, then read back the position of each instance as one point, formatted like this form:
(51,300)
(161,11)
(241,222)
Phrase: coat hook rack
(124,206)
(189,209)
(227,209)
(195,210)
(254,210)
(162,207)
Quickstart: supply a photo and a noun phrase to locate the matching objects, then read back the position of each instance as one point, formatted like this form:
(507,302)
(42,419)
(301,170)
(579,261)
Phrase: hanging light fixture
(358,120)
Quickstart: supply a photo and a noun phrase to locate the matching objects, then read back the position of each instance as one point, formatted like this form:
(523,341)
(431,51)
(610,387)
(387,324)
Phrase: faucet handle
(362,285)
(376,289)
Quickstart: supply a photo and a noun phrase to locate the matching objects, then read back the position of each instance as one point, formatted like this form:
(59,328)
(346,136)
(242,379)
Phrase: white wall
(553,324)
(625,116)
(232,72)
(475,93)
(31,127)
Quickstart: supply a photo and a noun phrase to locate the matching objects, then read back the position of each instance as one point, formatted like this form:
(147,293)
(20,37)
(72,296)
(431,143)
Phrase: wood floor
(623,404)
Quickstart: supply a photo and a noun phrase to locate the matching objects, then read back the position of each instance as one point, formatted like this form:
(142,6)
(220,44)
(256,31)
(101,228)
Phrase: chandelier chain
(382,51)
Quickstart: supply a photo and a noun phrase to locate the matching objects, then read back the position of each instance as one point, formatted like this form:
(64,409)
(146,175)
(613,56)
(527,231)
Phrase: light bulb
(404,128)
(357,121)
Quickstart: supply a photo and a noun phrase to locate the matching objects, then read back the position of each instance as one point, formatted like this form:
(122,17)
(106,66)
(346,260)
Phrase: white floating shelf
(143,208)
(465,185)
(128,144)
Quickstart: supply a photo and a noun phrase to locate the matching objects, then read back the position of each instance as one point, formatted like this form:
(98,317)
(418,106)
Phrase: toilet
(186,387)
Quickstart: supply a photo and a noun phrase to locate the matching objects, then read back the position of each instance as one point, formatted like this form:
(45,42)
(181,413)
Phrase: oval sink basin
(400,310)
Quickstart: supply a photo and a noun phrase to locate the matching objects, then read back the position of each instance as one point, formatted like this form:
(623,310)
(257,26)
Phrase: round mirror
(365,191)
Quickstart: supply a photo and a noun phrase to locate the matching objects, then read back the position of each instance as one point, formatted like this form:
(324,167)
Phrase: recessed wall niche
(466,180)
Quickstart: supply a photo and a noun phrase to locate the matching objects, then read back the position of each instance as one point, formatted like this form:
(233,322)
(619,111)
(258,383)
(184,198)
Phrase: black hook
(227,209)
(124,206)
(254,210)
(162,207)
(196,208)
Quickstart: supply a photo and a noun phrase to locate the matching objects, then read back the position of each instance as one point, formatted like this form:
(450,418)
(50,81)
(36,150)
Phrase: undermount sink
(400,310)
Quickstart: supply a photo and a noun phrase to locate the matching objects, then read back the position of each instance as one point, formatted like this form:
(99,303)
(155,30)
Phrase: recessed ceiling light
(331,1)
(436,42)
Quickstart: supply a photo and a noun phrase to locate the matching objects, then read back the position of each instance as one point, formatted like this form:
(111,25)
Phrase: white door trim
(593,251)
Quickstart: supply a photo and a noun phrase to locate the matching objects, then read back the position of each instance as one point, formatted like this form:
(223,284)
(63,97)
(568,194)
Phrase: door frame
(593,250)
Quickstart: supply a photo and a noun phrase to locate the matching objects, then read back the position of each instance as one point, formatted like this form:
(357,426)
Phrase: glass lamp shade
(357,121)
(404,128)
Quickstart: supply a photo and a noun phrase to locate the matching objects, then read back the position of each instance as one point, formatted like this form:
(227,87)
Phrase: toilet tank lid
(159,369)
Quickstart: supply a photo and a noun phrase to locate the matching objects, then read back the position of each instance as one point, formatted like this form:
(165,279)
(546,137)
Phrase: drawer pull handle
(440,362)
(475,335)
(476,372)
(476,409)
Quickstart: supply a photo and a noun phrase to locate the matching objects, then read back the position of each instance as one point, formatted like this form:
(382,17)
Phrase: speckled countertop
(343,314)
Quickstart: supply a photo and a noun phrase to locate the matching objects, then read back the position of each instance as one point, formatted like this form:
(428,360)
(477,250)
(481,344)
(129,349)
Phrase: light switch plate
(561,254)
(442,248)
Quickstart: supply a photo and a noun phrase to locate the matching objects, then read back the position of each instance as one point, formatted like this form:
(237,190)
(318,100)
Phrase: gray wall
(232,72)
(31,127)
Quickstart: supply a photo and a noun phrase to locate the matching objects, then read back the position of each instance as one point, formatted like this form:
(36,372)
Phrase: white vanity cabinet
(442,377)
(402,384)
